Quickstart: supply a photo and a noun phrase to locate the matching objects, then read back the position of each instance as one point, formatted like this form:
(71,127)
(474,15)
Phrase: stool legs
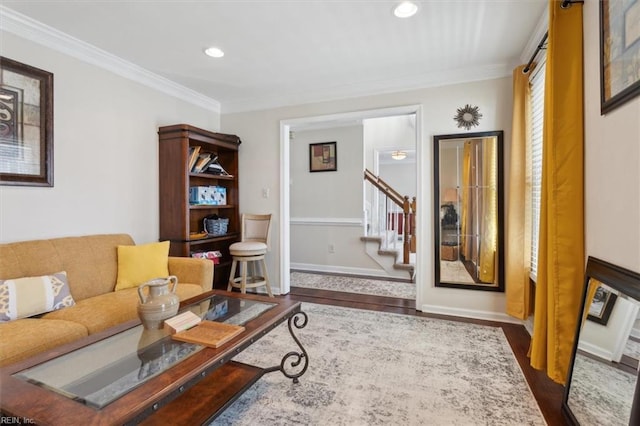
(232,275)
(257,278)
(266,277)
(243,274)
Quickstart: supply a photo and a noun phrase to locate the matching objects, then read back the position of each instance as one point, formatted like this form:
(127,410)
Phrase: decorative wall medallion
(467,117)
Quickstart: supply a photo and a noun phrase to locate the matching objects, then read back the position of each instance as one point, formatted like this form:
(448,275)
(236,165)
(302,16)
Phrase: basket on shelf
(216,225)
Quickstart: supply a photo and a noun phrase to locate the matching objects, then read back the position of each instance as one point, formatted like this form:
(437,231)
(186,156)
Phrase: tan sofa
(91,266)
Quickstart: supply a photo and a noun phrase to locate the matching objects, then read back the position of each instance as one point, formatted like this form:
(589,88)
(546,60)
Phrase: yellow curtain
(561,254)
(518,241)
(466,183)
(489,209)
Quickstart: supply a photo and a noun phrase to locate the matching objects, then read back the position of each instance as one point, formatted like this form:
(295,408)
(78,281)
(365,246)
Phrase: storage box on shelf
(213,170)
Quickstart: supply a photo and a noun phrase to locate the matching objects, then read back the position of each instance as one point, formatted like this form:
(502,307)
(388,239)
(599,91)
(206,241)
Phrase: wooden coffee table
(128,375)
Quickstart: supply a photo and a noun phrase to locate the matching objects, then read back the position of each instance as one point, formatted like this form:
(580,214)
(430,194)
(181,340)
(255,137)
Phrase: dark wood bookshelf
(179,218)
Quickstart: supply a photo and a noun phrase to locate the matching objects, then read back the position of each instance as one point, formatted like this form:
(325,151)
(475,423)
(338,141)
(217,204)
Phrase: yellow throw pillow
(141,263)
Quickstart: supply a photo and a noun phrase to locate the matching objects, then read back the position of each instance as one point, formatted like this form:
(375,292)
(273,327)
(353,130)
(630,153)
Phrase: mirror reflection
(468,228)
(603,380)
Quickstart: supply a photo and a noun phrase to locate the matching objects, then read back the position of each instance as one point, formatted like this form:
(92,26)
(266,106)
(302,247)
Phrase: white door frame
(296,123)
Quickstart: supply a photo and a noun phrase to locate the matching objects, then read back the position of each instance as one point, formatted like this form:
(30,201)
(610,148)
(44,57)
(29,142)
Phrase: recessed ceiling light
(214,52)
(405,9)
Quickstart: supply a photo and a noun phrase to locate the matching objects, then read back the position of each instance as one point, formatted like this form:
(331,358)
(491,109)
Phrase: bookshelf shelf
(179,218)
(210,176)
(197,241)
(211,207)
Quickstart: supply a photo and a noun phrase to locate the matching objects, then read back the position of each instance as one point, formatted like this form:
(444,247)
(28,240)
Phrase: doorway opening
(319,228)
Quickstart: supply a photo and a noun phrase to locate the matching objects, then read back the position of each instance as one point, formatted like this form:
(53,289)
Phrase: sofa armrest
(193,271)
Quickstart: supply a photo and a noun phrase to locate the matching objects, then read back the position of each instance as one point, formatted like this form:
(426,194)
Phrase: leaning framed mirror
(468,211)
(602,385)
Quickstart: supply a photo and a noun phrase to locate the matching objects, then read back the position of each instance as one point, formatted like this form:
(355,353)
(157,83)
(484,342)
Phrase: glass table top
(101,372)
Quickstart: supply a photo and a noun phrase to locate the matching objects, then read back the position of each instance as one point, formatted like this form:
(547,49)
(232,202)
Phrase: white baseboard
(528,324)
(346,270)
(470,313)
(596,350)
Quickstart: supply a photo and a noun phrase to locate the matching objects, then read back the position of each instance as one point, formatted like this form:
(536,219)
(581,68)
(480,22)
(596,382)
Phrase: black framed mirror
(602,386)
(468,215)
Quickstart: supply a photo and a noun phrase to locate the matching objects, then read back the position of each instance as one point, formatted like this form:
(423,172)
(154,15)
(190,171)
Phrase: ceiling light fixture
(398,155)
(405,9)
(214,52)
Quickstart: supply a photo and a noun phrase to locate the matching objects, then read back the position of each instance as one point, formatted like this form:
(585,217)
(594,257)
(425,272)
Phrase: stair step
(375,239)
(395,255)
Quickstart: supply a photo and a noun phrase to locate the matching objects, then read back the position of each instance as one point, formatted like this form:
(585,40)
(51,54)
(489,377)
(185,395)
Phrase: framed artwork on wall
(26,125)
(602,305)
(323,157)
(619,53)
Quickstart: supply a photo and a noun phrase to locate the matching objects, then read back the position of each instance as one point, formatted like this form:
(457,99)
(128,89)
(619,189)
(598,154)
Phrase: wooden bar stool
(250,252)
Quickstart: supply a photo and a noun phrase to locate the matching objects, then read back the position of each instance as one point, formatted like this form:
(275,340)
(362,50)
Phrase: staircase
(390,228)
(390,260)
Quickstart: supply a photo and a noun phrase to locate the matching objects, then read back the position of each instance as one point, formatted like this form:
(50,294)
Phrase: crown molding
(397,84)
(37,32)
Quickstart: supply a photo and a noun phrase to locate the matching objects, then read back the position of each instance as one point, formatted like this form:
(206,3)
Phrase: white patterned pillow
(25,297)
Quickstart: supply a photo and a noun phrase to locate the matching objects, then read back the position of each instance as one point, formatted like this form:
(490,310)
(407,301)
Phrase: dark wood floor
(547,393)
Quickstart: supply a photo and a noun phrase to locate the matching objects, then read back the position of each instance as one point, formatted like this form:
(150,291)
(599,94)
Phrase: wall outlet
(331,248)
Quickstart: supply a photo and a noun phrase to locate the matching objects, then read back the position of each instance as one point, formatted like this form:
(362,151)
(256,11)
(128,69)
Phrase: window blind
(537,120)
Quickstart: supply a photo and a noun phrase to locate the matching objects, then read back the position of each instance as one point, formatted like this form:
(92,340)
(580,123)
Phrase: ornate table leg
(294,364)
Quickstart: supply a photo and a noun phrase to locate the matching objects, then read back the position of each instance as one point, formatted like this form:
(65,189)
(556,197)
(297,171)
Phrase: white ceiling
(286,52)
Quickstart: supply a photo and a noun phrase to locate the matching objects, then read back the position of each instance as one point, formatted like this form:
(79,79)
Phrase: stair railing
(392,213)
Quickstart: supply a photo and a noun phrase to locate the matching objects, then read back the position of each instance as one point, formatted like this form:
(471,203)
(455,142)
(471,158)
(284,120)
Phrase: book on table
(209,333)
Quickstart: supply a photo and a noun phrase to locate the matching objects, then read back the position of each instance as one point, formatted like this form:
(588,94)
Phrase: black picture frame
(323,157)
(601,306)
(26,124)
(619,43)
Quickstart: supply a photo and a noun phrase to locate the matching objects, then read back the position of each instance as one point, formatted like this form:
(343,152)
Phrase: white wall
(326,207)
(612,164)
(327,194)
(105,152)
(608,341)
(260,163)
(612,182)
(384,135)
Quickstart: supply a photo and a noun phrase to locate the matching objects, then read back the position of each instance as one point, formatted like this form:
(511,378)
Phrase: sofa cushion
(141,263)
(29,296)
(27,337)
(107,310)
(90,261)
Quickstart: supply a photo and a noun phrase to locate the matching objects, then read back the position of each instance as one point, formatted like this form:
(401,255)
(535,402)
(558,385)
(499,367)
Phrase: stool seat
(247,248)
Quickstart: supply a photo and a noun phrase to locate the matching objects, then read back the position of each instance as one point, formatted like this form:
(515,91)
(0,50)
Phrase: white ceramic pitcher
(160,303)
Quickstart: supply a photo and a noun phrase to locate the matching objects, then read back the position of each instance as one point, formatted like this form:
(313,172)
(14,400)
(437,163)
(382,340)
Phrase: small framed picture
(619,52)
(323,157)
(602,305)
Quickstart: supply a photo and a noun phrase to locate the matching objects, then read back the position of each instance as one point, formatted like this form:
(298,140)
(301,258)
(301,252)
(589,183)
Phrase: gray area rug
(349,284)
(454,272)
(600,394)
(632,349)
(372,368)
